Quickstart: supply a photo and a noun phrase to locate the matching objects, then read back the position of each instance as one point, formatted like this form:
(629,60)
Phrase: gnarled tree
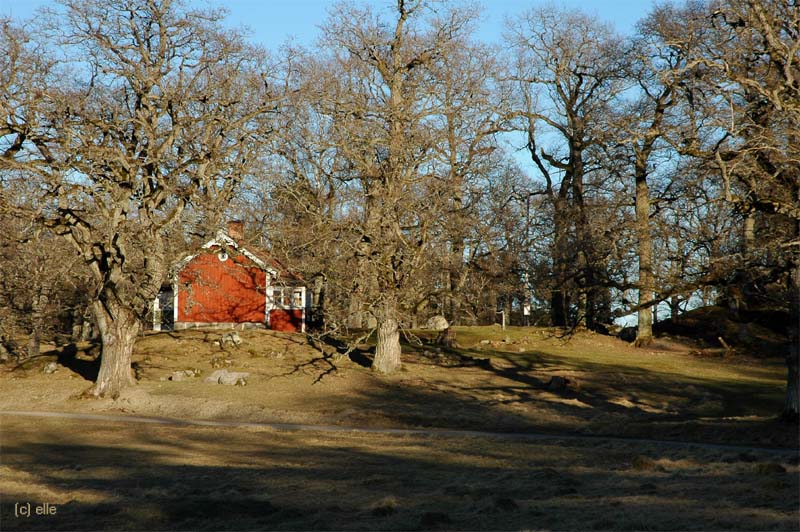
(373,98)
(125,113)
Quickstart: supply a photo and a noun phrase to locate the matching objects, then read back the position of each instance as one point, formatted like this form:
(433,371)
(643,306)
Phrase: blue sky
(273,21)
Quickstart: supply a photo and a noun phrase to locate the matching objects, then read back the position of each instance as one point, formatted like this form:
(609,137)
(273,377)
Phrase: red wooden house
(229,284)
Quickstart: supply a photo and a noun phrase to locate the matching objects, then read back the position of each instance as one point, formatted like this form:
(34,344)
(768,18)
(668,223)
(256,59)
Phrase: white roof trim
(224,239)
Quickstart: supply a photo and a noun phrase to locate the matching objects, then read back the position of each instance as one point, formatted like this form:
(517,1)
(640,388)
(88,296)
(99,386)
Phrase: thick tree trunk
(791,408)
(38,318)
(354,312)
(455,280)
(674,308)
(559,298)
(119,328)
(34,343)
(387,350)
(644,332)
(586,255)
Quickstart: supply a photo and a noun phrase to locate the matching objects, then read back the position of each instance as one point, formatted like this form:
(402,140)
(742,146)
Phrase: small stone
(485,342)
(184,374)
(230,378)
(49,368)
(385,507)
(219,361)
(232,338)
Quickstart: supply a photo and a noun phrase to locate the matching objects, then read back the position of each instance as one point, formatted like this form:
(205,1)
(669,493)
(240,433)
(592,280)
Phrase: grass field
(118,476)
(112,475)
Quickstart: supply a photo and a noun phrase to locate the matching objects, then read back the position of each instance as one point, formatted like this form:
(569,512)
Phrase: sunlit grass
(610,362)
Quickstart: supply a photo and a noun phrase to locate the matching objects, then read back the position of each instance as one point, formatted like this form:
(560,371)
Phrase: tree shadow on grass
(112,476)
(535,391)
(519,393)
(88,368)
(609,382)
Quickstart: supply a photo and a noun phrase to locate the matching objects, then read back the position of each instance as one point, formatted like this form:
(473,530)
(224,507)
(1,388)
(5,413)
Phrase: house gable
(221,286)
(226,284)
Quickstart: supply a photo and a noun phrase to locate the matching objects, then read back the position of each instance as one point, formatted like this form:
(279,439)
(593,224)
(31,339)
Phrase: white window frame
(295,294)
(289,298)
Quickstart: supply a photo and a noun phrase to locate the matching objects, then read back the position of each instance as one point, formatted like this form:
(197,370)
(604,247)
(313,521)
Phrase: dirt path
(295,427)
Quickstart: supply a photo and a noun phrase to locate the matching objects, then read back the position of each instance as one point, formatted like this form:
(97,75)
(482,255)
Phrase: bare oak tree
(125,114)
(568,71)
(365,157)
(742,86)
(645,127)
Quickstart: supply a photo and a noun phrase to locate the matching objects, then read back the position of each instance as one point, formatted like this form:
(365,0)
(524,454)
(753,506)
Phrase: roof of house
(259,257)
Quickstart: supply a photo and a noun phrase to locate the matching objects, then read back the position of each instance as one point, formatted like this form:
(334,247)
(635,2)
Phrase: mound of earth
(759,333)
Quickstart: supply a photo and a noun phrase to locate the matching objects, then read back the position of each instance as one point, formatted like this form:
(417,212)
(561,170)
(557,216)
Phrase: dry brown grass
(110,476)
(114,476)
(612,388)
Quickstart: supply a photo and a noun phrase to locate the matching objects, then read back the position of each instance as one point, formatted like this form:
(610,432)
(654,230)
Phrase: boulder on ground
(184,374)
(230,378)
(437,323)
(232,338)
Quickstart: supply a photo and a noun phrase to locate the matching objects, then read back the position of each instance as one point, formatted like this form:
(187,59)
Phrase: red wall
(286,320)
(214,291)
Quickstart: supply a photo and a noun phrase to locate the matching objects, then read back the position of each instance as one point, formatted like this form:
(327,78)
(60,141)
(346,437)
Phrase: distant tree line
(406,168)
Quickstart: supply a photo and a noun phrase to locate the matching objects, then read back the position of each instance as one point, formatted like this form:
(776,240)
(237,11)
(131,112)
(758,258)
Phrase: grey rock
(184,374)
(232,338)
(437,323)
(49,368)
(230,378)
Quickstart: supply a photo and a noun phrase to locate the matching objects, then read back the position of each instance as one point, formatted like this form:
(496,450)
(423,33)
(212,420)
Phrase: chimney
(236,229)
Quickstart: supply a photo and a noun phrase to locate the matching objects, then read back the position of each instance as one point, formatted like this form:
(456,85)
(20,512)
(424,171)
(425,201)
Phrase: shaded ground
(116,476)
(759,332)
